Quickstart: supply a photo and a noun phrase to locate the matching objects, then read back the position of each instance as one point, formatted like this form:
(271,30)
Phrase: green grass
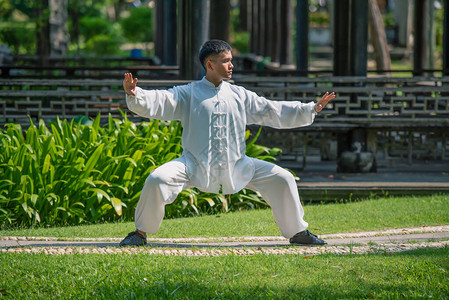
(374,214)
(414,274)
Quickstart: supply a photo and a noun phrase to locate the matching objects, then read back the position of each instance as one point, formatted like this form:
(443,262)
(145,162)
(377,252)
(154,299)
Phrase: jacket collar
(210,84)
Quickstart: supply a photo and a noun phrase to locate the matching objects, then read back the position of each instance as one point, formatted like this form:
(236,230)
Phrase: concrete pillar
(350,59)
(170,33)
(342,37)
(261,26)
(403,19)
(244,15)
(193,33)
(220,16)
(302,36)
(421,38)
(254,30)
(159,28)
(272,35)
(286,41)
(359,38)
(166,31)
(446,39)
(350,37)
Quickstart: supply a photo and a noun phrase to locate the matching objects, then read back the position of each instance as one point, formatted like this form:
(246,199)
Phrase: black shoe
(134,239)
(306,238)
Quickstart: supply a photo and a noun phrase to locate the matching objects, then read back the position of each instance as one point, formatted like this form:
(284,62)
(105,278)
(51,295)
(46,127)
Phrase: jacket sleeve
(278,114)
(157,104)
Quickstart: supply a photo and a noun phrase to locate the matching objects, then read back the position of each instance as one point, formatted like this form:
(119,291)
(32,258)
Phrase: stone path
(393,240)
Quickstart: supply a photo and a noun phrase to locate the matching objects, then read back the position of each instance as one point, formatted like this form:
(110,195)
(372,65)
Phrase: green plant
(69,173)
(20,36)
(92,26)
(103,44)
(138,26)
(241,42)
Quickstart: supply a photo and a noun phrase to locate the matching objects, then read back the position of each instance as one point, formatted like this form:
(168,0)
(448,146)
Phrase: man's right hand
(129,84)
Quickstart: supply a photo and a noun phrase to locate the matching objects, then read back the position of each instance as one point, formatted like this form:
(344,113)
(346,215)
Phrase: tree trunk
(42,13)
(446,39)
(59,36)
(378,37)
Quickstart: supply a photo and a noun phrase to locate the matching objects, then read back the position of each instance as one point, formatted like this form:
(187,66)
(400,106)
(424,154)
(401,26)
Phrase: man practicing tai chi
(214,115)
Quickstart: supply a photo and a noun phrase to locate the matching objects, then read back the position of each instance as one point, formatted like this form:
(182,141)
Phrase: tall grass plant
(68,173)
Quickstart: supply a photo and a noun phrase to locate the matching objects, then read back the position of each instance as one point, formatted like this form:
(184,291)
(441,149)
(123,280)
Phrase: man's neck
(215,81)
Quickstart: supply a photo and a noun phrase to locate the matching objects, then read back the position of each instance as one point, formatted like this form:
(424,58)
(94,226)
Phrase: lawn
(373,214)
(413,274)
(416,274)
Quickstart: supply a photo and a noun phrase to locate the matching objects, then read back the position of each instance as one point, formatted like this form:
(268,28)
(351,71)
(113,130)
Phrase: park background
(374,164)
(72,153)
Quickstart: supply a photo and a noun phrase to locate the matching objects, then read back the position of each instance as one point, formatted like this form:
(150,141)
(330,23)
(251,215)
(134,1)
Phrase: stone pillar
(350,59)
(220,16)
(359,38)
(159,28)
(244,15)
(261,27)
(273,40)
(193,33)
(446,39)
(254,29)
(302,36)
(403,19)
(166,31)
(285,34)
(420,41)
(342,37)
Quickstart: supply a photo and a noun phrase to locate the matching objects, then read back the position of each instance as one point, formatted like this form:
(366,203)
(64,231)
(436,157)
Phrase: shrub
(20,36)
(93,26)
(103,44)
(69,173)
(138,26)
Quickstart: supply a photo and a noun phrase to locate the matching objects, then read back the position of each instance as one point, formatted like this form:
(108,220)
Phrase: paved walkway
(320,181)
(343,243)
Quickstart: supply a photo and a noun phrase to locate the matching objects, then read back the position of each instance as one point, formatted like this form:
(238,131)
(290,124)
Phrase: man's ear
(209,65)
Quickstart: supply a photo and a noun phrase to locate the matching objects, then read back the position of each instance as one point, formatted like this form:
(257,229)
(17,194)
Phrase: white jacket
(214,121)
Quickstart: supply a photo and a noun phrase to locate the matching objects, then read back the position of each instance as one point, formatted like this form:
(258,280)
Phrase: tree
(378,36)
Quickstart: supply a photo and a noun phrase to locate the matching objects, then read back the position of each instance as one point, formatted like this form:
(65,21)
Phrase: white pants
(276,185)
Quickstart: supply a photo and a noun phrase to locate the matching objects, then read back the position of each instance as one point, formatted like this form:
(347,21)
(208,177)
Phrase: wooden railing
(405,118)
(22,100)
(364,102)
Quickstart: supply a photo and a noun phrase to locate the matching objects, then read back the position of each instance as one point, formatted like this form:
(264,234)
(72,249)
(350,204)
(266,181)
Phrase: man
(214,115)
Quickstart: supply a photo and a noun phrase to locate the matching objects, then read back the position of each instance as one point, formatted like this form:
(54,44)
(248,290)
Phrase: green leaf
(100,193)
(117,204)
(209,200)
(93,159)
(47,164)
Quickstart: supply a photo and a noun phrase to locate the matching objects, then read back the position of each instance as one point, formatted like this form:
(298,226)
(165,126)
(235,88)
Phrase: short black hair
(212,47)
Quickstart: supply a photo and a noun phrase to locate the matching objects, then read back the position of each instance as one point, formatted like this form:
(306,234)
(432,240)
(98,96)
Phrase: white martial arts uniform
(214,121)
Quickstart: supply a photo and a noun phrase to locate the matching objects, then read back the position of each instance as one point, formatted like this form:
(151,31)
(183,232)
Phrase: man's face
(221,65)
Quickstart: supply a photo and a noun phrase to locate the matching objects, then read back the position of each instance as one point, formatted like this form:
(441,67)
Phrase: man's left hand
(323,101)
